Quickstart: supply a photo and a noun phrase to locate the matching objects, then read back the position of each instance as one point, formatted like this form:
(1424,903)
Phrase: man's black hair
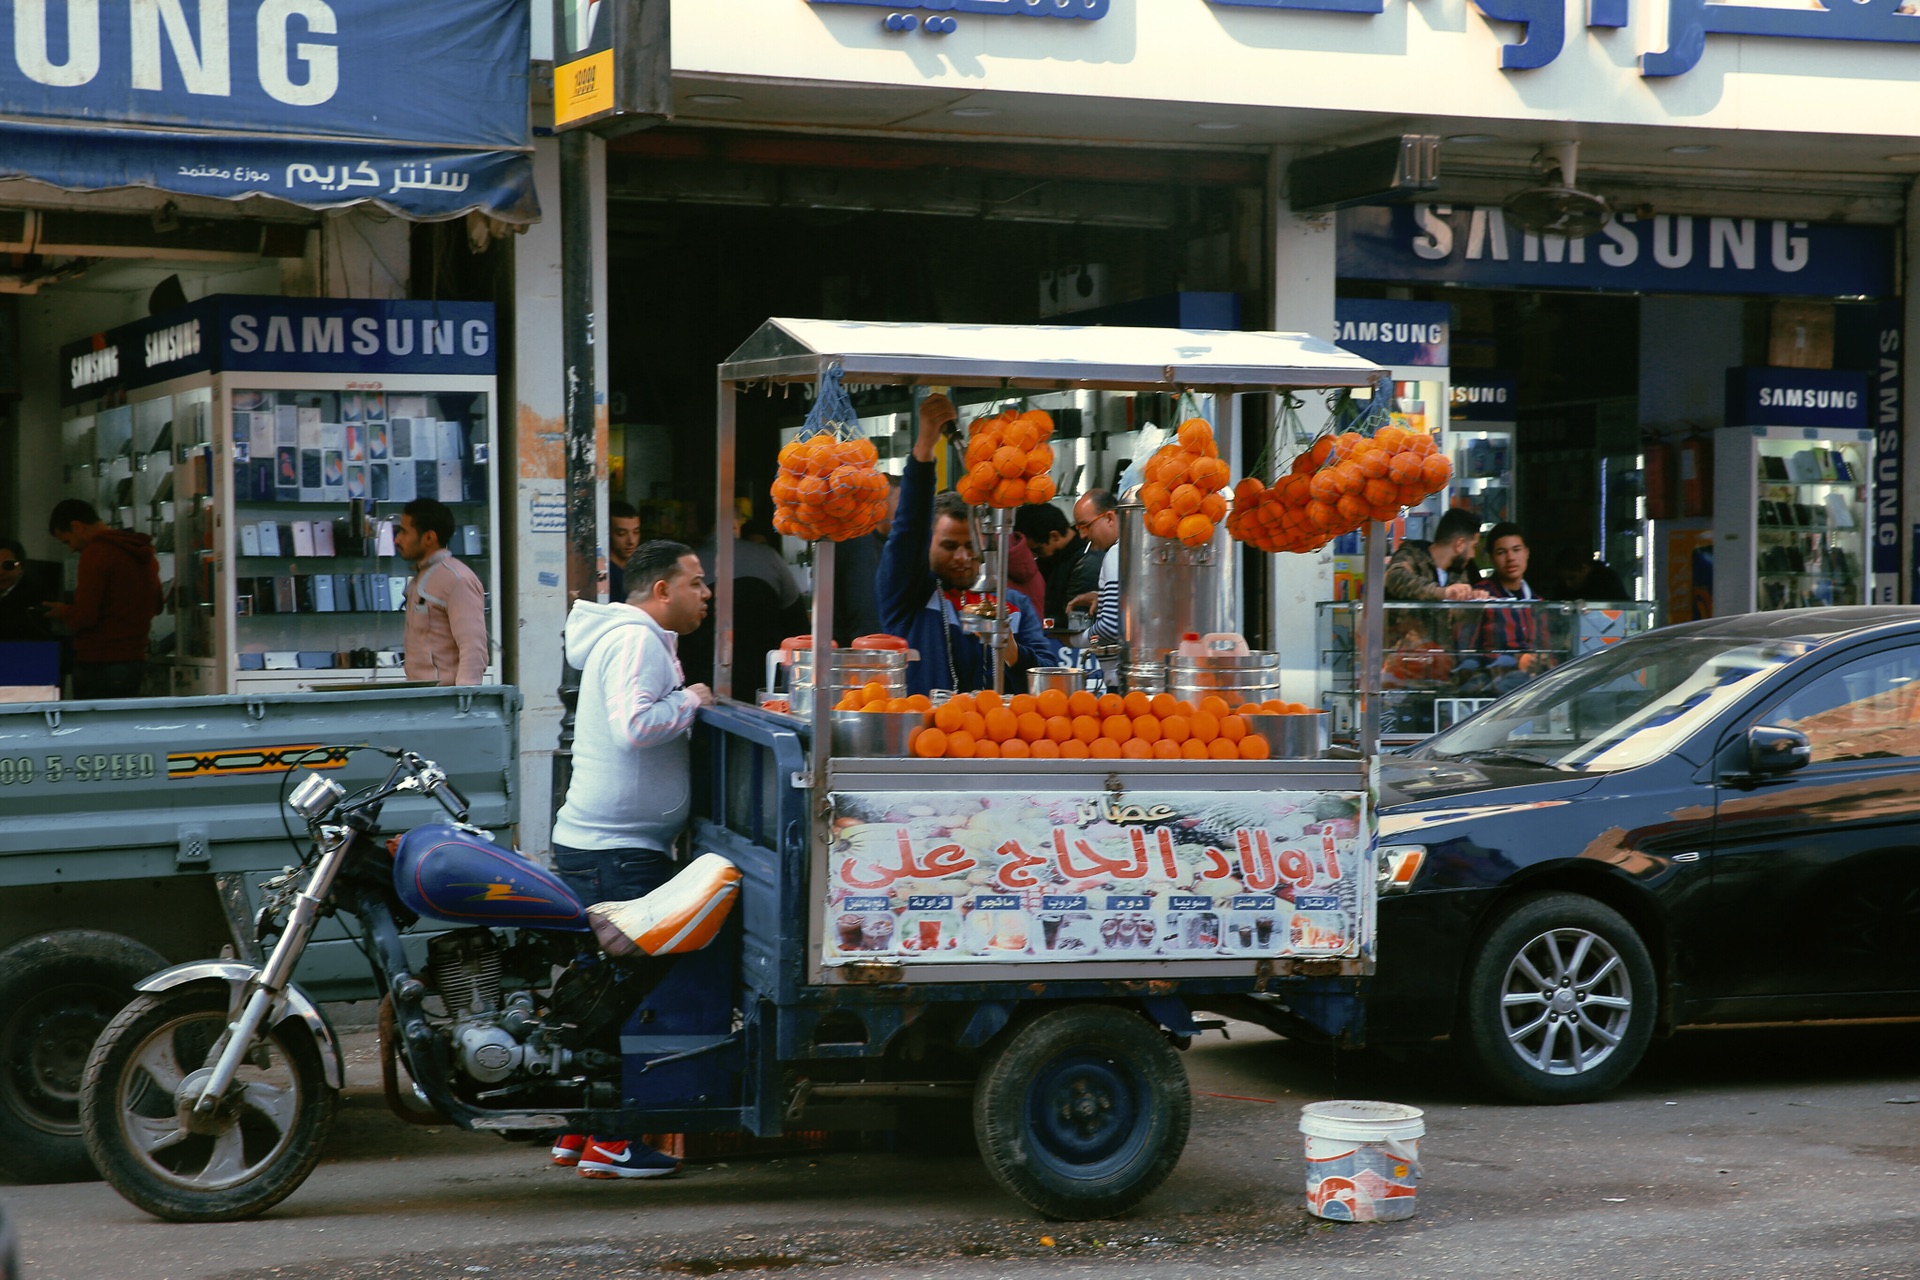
(653,562)
(949,504)
(1505,529)
(71,511)
(621,509)
(1458,522)
(1040,521)
(13,545)
(430,515)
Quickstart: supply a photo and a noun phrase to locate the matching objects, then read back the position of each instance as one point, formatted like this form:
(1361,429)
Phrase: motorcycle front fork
(263,992)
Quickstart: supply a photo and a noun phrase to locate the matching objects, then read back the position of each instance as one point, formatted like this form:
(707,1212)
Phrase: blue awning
(419,108)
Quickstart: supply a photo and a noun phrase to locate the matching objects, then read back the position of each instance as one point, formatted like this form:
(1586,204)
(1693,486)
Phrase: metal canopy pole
(1372,637)
(825,692)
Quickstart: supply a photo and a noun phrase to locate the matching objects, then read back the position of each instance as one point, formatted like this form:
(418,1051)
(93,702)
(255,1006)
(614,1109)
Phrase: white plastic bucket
(1363,1159)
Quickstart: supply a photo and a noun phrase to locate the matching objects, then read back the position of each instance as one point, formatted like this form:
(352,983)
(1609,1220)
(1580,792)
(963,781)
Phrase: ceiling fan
(1557,207)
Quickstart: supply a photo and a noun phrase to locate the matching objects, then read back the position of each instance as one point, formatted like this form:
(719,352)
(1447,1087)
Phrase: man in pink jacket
(446,640)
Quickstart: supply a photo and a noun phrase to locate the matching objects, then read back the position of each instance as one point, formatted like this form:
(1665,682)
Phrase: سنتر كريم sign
(1053,876)
(1665,253)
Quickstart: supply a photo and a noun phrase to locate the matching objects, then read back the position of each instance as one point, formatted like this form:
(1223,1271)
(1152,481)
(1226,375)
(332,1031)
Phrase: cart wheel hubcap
(53,1033)
(1086,1110)
(1566,1001)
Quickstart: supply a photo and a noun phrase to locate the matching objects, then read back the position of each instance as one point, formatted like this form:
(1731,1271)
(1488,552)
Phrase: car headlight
(1399,864)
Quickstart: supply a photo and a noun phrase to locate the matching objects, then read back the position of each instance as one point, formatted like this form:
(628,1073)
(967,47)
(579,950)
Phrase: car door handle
(1686,857)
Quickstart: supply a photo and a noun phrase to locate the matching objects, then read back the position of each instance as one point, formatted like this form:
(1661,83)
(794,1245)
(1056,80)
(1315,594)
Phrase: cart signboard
(1037,876)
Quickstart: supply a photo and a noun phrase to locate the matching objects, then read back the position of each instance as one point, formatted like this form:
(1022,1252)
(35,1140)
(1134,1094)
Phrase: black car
(1717,822)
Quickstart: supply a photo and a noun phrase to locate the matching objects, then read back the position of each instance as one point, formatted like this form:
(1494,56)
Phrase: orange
(1045,749)
(1174,466)
(1185,500)
(1073,749)
(1051,703)
(1010,461)
(1147,728)
(919,702)
(961,702)
(1214,507)
(1176,728)
(960,745)
(974,723)
(1194,435)
(1376,462)
(1014,749)
(1324,487)
(1033,726)
(1117,727)
(929,744)
(986,749)
(1040,488)
(871,692)
(1059,728)
(1249,491)
(1003,724)
(1206,727)
(1189,750)
(1082,703)
(1218,749)
(1233,728)
(1404,468)
(1164,524)
(1112,704)
(1022,703)
(1010,493)
(1039,460)
(1196,530)
(1021,434)
(1164,750)
(1436,471)
(1162,704)
(1254,747)
(1086,728)
(896,705)
(1214,703)
(1349,476)
(1353,509)
(947,716)
(986,700)
(982,475)
(1104,749)
(1136,703)
(1135,749)
(1154,495)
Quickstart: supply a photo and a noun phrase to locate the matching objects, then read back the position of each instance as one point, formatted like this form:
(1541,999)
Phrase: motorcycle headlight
(315,797)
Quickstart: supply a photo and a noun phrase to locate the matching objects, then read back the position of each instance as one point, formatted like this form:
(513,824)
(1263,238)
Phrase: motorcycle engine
(497,1037)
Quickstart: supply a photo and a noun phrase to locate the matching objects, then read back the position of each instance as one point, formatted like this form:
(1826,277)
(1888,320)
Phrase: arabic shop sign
(936,17)
(234,97)
(231,333)
(1689,23)
(1678,253)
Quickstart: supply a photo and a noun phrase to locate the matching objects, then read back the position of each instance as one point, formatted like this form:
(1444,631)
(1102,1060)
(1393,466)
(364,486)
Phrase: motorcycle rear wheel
(257,1149)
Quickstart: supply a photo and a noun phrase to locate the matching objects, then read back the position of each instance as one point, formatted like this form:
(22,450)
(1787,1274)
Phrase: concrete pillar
(355,253)
(534,439)
(1304,268)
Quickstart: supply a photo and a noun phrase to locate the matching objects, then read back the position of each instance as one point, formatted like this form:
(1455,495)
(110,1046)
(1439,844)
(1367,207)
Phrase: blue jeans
(612,875)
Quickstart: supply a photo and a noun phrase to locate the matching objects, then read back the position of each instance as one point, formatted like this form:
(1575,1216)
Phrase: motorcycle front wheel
(136,1110)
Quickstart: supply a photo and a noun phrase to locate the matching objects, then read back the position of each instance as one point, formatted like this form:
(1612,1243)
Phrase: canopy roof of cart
(1045,357)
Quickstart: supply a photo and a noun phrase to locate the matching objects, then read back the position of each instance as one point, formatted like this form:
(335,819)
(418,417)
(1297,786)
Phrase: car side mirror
(1772,749)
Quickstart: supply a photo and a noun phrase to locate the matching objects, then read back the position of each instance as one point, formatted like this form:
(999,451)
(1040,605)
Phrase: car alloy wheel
(1566,1001)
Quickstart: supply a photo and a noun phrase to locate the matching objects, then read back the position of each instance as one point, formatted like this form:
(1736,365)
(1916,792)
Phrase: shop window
(1866,709)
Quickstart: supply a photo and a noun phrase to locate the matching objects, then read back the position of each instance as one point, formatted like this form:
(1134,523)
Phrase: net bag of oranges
(1335,483)
(1009,462)
(1183,483)
(829,485)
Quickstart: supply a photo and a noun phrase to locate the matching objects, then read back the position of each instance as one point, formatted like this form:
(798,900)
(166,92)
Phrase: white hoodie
(630,739)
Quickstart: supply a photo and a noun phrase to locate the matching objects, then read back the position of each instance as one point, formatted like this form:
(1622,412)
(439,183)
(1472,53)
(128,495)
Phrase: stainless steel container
(1297,737)
(1065,679)
(852,668)
(1243,677)
(877,733)
(1144,677)
(1167,589)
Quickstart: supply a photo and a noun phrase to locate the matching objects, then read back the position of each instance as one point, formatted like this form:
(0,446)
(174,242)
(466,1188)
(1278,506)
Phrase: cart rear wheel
(1082,1111)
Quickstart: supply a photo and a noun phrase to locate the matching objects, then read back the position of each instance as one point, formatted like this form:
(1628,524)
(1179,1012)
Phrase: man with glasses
(1095,581)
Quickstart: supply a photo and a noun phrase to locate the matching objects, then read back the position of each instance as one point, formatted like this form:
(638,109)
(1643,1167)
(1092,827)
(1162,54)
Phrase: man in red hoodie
(113,605)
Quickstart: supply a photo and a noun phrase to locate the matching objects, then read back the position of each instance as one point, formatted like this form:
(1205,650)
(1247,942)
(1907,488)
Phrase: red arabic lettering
(1296,867)
(1331,856)
(1097,865)
(1013,874)
(946,860)
(1218,867)
(1257,868)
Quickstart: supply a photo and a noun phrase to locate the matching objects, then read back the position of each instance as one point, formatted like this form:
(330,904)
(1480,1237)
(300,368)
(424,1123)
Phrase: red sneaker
(621,1159)
(567,1148)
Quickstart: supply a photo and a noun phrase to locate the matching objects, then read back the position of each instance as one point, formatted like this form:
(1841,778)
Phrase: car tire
(58,991)
(1560,1000)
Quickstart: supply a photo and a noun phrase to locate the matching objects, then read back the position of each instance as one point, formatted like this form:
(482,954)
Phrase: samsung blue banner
(1391,332)
(1678,253)
(1830,399)
(419,107)
(1483,397)
(232,333)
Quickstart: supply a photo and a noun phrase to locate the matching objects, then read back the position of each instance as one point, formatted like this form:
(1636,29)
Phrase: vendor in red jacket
(114,603)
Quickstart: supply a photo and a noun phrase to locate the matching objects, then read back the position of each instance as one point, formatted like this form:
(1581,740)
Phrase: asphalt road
(1748,1155)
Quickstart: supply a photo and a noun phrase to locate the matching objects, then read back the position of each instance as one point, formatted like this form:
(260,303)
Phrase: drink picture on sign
(1060,876)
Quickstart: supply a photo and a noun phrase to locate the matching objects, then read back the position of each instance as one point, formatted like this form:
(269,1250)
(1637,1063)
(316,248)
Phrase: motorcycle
(209,1097)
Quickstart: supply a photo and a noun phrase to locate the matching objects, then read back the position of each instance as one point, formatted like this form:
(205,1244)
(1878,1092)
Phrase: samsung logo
(1807,398)
(1482,395)
(361,336)
(1391,331)
(94,366)
(175,342)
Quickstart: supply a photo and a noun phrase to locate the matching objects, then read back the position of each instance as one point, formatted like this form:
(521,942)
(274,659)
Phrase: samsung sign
(1666,253)
(1832,399)
(1391,332)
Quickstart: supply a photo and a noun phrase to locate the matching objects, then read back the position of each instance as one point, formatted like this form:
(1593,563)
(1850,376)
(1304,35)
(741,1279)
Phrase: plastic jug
(1221,644)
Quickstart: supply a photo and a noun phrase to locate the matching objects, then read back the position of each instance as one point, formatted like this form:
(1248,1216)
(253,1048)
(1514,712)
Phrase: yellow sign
(583,88)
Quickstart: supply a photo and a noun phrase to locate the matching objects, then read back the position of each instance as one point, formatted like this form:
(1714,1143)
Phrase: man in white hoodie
(629,795)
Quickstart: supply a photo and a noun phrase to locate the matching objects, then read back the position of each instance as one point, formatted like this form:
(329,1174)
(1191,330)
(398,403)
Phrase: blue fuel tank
(447,874)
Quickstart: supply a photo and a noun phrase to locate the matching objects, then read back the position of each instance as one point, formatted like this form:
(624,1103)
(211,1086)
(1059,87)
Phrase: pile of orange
(873,696)
(829,488)
(1182,493)
(1009,462)
(1276,707)
(1336,486)
(1058,726)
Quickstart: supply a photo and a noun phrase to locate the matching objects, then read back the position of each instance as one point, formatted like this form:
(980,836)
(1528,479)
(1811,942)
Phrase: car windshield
(1620,707)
